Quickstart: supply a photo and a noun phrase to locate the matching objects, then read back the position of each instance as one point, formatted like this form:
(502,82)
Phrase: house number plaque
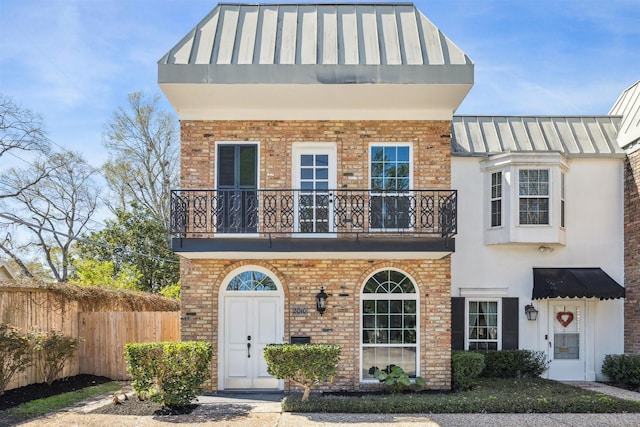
(299,311)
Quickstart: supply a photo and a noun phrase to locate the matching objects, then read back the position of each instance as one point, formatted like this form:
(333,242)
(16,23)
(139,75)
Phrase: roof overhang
(575,283)
(315,101)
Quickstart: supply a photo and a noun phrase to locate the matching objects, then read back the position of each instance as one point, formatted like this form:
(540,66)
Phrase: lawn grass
(490,395)
(46,405)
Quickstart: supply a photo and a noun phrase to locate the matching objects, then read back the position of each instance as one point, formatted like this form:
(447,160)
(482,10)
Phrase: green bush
(395,378)
(304,364)
(170,373)
(465,368)
(15,353)
(171,291)
(53,351)
(623,368)
(514,364)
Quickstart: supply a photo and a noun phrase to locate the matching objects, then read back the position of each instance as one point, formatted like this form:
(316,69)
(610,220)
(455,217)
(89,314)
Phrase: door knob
(249,350)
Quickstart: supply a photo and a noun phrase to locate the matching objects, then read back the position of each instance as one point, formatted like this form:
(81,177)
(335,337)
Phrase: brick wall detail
(632,252)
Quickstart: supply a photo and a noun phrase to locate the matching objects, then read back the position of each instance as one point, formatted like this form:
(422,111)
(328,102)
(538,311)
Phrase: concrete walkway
(264,410)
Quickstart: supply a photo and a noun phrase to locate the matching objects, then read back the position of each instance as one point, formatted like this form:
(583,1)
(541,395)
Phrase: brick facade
(632,252)
(342,279)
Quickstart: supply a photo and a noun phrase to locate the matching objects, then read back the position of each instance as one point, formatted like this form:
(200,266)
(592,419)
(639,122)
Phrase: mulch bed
(14,397)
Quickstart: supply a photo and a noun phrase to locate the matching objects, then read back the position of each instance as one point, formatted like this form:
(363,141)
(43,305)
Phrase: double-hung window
(483,325)
(496,199)
(390,178)
(533,190)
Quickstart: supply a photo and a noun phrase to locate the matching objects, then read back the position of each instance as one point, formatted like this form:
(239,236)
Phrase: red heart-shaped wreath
(565,318)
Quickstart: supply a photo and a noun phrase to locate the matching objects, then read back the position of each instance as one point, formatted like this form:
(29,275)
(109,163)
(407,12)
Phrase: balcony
(311,221)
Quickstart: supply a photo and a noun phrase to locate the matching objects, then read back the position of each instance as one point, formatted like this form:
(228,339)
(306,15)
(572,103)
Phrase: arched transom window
(251,281)
(389,323)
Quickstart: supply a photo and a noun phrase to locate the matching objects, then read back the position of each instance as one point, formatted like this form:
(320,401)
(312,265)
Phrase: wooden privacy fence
(105,335)
(105,323)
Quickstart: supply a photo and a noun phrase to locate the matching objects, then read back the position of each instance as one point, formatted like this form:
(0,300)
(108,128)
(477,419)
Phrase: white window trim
(493,199)
(415,295)
(299,148)
(369,179)
(511,230)
(548,196)
(466,320)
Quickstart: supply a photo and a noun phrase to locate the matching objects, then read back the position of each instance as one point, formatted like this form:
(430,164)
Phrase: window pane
(322,160)
(382,306)
(377,154)
(410,306)
(251,281)
(389,154)
(403,154)
(322,173)
(306,173)
(248,161)
(306,160)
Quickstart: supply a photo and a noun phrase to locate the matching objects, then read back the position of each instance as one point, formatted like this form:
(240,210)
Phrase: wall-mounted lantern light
(531,312)
(321,301)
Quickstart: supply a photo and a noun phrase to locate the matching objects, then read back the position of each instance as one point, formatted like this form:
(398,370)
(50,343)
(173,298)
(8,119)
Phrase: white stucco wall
(594,238)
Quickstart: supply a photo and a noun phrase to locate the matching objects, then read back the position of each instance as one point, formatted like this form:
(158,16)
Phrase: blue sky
(75,61)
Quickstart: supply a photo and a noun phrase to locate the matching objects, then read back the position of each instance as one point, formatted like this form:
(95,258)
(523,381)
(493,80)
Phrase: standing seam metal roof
(355,34)
(573,136)
(339,35)
(628,106)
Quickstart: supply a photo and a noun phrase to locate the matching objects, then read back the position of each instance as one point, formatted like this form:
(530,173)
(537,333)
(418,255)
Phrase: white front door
(314,175)
(251,322)
(567,346)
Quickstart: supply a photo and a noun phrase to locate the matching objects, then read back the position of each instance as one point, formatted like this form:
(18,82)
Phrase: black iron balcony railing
(203,213)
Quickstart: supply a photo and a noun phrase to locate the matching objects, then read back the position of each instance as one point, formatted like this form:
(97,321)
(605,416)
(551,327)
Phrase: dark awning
(574,283)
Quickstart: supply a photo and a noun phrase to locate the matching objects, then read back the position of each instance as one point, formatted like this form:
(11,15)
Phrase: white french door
(251,322)
(314,176)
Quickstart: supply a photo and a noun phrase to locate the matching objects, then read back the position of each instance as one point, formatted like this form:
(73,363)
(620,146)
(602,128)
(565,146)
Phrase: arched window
(390,319)
(251,281)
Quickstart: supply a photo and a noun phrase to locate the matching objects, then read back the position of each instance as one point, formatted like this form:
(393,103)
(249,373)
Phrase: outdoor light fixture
(531,312)
(321,301)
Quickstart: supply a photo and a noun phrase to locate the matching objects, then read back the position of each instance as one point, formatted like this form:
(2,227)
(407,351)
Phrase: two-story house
(316,161)
(328,194)
(540,235)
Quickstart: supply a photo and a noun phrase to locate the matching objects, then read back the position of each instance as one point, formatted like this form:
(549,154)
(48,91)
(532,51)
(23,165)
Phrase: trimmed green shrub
(53,351)
(15,353)
(466,366)
(304,364)
(395,378)
(514,364)
(170,373)
(623,368)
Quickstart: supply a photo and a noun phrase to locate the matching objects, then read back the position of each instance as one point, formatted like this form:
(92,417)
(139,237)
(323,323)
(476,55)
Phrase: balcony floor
(314,248)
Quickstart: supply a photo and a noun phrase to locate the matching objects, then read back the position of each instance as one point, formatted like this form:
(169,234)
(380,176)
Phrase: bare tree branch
(58,206)
(144,165)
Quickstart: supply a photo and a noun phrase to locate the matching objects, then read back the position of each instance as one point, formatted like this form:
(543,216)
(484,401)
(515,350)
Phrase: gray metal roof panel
(628,106)
(574,136)
(341,35)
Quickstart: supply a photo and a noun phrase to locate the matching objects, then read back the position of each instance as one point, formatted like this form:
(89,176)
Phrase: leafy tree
(53,209)
(142,245)
(91,272)
(144,145)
